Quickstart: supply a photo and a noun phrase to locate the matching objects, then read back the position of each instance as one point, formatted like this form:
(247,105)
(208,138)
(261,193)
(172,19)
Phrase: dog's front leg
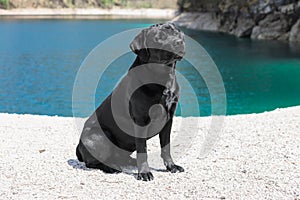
(141,149)
(164,137)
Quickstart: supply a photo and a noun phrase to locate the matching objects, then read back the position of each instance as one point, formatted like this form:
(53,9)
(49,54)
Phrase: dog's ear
(139,46)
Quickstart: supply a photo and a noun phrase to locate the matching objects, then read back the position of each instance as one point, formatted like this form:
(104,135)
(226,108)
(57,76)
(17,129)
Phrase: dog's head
(160,43)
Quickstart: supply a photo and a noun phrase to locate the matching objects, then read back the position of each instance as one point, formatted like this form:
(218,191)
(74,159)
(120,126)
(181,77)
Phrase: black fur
(102,139)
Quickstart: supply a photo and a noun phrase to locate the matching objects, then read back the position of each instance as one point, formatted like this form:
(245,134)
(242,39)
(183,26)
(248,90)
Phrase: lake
(39,59)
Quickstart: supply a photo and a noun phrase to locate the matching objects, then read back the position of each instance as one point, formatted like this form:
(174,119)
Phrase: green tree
(5,4)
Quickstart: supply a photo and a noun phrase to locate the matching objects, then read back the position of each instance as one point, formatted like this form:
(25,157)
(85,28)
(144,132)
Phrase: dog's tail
(78,154)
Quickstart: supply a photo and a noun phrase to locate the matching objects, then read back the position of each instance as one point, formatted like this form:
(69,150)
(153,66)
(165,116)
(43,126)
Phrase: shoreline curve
(89,13)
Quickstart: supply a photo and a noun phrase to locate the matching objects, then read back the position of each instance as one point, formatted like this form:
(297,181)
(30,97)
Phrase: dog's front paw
(174,168)
(145,176)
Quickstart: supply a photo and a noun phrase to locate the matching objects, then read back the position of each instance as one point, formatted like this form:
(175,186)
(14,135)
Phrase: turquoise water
(39,60)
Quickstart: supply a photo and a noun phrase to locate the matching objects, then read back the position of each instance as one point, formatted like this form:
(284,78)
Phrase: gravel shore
(255,157)
(90,13)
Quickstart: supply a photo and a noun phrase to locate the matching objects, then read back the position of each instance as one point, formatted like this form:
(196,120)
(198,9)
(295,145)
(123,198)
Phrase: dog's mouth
(181,53)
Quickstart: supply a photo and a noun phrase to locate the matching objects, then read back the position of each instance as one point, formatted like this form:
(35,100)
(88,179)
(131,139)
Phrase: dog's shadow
(76,164)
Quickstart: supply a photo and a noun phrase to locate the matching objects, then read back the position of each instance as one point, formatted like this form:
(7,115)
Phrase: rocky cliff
(258,19)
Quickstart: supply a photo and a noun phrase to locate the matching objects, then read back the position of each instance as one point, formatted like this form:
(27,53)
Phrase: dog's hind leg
(103,167)
(78,154)
(95,150)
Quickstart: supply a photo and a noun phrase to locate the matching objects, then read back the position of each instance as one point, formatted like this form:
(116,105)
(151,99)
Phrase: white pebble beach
(256,156)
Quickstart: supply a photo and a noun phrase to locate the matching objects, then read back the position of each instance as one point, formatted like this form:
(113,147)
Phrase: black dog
(125,120)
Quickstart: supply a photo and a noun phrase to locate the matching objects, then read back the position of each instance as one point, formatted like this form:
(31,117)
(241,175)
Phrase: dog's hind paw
(145,176)
(174,168)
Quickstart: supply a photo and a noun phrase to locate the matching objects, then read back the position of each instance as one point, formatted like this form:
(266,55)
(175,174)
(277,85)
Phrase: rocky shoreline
(90,12)
(255,19)
(267,20)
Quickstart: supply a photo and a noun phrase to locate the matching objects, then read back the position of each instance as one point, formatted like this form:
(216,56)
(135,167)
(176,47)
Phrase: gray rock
(284,37)
(265,6)
(199,21)
(265,34)
(282,2)
(205,21)
(244,27)
(258,19)
(228,23)
(297,8)
(287,9)
(275,26)
(295,32)
(185,19)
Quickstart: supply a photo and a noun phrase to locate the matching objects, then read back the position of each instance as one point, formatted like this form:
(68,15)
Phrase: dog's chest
(171,93)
